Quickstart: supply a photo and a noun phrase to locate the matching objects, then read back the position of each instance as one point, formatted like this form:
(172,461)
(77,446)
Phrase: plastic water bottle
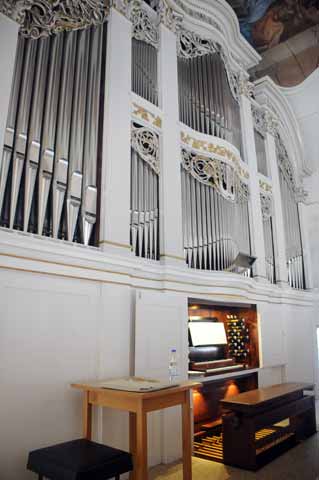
(172,366)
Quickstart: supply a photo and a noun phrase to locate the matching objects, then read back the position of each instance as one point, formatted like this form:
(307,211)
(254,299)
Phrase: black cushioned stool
(79,460)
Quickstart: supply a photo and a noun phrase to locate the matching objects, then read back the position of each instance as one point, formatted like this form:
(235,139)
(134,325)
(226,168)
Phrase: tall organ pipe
(49,130)
(89,204)
(22,127)
(294,253)
(75,176)
(144,228)
(51,139)
(215,229)
(35,127)
(63,130)
(144,70)
(12,118)
(205,98)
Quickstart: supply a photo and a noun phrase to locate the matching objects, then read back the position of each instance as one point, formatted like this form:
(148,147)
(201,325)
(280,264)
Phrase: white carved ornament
(40,18)
(168,17)
(264,120)
(217,174)
(143,26)
(146,144)
(284,162)
(191,45)
(266,205)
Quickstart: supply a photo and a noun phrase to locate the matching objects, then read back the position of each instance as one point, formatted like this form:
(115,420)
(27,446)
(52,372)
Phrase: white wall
(55,331)
(304,99)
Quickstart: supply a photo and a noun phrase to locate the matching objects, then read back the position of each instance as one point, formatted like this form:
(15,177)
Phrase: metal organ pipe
(205,98)
(144,70)
(89,203)
(52,136)
(11,125)
(144,209)
(63,130)
(294,253)
(49,129)
(215,226)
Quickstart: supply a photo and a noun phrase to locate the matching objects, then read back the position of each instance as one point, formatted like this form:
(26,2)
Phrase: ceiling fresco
(285,33)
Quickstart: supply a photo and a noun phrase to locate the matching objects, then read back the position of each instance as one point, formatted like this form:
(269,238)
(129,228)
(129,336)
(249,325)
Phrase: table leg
(87,417)
(132,434)
(187,443)
(140,461)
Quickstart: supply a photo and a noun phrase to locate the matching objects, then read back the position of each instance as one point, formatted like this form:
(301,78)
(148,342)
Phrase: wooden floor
(300,463)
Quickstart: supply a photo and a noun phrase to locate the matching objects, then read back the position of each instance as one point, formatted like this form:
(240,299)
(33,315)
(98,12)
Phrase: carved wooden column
(8,40)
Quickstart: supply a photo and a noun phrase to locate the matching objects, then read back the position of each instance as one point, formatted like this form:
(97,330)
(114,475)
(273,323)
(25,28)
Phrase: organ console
(221,339)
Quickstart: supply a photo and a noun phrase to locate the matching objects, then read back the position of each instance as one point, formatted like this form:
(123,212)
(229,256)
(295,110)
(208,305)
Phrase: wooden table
(138,405)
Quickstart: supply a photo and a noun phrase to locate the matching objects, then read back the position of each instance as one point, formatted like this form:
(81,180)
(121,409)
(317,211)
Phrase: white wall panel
(161,324)
(48,338)
(271,335)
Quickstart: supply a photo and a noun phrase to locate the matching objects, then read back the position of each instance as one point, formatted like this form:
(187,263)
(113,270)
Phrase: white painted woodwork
(115,195)
(160,325)
(256,220)
(171,235)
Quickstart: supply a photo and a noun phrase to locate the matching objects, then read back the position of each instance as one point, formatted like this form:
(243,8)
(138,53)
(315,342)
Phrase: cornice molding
(218,19)
(31,254)
(39,18)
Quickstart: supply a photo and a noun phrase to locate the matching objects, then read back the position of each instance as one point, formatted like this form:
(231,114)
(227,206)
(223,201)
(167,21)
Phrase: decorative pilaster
(8,40)
(279,233)
(256,219)
(171,236)
(115,184)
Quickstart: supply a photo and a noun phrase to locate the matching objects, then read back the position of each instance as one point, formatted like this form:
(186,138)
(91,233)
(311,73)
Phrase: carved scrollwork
(245,87)
(217,174)
(190,45)
(146,144)
(40,18)
(171,19)
(266,205)
(264,120)
(259,120)
(122,6)
(284,163)
(143,26)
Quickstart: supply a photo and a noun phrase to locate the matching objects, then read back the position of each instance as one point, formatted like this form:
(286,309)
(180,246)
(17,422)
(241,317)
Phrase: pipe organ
(145,43)
(144,228)
(294,253)
(207,102)
(48,180)
(52,158)
(215,212)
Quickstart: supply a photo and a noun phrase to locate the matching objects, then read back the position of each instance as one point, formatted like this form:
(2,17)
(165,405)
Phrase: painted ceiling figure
(255,10)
